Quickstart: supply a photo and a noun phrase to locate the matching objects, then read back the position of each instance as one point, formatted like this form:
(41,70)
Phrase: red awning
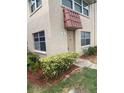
(71,20)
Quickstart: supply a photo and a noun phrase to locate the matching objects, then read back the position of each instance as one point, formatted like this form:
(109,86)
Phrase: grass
(85,80)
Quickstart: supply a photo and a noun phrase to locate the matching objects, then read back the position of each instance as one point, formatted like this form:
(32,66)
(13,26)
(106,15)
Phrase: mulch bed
(37,77)
(92,58)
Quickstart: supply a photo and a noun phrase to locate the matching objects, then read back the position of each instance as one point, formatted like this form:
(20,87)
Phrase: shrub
(95,49)
(91,51)
(55,65)
(32,61)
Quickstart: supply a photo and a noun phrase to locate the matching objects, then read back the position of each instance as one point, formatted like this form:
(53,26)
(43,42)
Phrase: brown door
(71,40)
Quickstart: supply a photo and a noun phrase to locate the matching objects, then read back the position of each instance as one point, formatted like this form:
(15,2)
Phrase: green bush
(32,61)
(91,51)
(55,65)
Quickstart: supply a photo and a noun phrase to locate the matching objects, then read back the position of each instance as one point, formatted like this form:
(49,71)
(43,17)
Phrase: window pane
(85,38)
(87,35)
(32,1)
(32,7)
(41,33)
(36,35)
(39,41)
(37,46)
(42,46)
(67,3)
(42,38)
(78,8)
(38,3)
(83,42)
(85,11)
(35,39)
(78,1)
(85,8)
(87,41)
(82,35)
(85,4)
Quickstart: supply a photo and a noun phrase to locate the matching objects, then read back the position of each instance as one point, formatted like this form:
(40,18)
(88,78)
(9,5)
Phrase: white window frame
(39,51)
(73,7)
(87,8)
(35,3)
(77,4)
(85,39)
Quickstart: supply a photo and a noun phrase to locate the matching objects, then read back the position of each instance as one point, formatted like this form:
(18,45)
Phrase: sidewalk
(85,63)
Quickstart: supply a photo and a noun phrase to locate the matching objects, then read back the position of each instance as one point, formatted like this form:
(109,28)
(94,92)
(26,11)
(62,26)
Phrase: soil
(38,78)
(92,58)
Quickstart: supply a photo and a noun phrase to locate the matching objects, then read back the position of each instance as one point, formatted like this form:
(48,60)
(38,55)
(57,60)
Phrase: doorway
(71,41)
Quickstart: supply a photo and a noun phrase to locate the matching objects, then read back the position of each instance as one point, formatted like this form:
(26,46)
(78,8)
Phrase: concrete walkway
(85,63)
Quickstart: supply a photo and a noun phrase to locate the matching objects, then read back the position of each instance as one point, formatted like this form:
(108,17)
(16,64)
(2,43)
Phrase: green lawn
(85,80)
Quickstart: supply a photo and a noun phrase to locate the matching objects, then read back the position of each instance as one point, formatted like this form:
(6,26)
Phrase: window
(67,3)
(85,38)
(78,1)
(38,3)
(77,5)
(39,41)
(34,4)
(85,8)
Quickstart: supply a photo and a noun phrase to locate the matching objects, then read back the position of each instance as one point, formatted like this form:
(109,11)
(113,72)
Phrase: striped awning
(72,20)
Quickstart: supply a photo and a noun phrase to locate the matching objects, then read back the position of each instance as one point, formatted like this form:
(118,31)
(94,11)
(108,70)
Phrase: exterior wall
(50,19)
(89,24)
(59,34)
(37,22)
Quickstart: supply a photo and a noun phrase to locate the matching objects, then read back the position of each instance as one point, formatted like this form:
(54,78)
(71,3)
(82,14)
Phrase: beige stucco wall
(59,34)
(37,22)
(50,19)
(89,24)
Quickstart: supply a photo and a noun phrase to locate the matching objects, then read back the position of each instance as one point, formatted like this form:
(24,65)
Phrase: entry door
(71,40)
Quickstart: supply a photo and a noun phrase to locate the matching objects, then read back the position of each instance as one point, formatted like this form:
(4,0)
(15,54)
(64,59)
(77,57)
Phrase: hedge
(53,66)
(91,51)
(32,61)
